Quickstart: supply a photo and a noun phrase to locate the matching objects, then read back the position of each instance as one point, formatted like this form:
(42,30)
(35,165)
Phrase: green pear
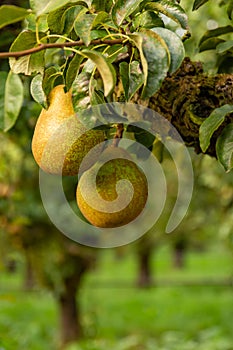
(61,142)
(114,191)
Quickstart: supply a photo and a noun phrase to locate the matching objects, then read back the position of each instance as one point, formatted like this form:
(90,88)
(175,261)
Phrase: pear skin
(103,198)
(61,142)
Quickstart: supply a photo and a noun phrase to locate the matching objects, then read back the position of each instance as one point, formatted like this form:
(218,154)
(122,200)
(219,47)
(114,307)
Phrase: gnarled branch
(187,97)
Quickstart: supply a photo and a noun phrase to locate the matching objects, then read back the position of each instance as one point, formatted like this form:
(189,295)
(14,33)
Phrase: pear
(61,142)
(114,191)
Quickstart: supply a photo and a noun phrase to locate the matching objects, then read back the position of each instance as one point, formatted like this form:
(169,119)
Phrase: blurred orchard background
(164,291)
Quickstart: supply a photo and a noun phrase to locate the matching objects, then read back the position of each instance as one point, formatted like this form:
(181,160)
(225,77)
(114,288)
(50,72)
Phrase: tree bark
(70,325)
(144,269)
(70,315)
(179,250)
(29,278)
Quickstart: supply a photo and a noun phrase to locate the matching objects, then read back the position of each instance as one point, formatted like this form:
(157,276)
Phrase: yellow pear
(60,141)
(114,191)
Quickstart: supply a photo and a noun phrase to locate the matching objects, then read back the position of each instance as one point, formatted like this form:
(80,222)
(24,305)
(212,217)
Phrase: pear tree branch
(42,47)
(188,96)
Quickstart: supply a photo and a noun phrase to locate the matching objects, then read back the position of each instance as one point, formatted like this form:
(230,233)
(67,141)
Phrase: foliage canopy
(106,51)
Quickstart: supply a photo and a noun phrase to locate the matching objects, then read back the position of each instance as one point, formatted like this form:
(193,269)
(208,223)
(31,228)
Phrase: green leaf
(37,91)
(102,5)
(97,98)
(224,147)
(44,6)
(216,32)
(124,74)
(29,64)
(138,41)
(210,44)
(105,69)
(110,25)
(122,9)
(101,17)
(83,26)
(211,124)
(175,47)
(51,74)
(142,137)
(98,34)
(230,9)
(48,74)
(112,52)
(108,5)
(158,150)
(171,10)
(33,23)
(56,19)
(72,70)
(98,5)
(198,3)
(71,15)
(11,99)
(136,78)
(3,78)
(154,59)
(80,92)
(223,47)
(147,19)
(88,66)
(145,138)
(11,14)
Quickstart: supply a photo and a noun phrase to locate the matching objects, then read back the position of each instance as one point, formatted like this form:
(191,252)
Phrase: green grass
(121,317)
(216,263)
(27,321)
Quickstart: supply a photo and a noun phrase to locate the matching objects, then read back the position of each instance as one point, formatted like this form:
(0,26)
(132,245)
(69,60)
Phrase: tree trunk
(70,325)
(144,268)
(29,280)
(70,317)
(179,256)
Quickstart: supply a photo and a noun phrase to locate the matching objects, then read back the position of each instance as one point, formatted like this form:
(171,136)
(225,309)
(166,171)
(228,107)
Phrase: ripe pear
(114,191)
(60,141)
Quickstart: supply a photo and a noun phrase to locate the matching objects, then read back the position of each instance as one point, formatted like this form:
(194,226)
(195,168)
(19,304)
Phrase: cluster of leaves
(91,46)
(223,46)
(219,39)
(212,40)
(224,144)
(105,51)
(229,3)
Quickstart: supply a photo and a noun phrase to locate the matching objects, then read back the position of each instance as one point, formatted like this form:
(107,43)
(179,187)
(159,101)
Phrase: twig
(42,47)
(118,134)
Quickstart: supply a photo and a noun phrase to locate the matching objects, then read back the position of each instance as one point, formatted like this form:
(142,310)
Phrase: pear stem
(118,134)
